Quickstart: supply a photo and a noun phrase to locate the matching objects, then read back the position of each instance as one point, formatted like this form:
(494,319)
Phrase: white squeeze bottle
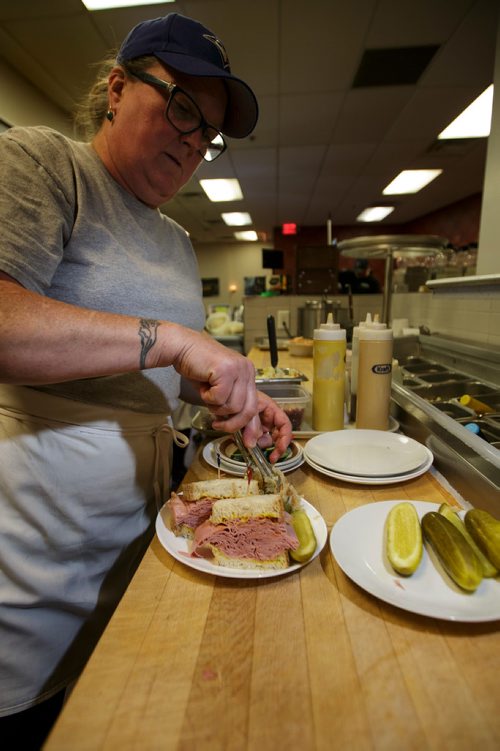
(354,366)
(374,377)
(329,349)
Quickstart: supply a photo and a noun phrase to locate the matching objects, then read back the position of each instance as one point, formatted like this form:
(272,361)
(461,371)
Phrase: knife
(273,346)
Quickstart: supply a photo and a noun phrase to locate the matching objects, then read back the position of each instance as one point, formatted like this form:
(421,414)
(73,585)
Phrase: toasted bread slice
(220,559)
(227,509)
(230,487)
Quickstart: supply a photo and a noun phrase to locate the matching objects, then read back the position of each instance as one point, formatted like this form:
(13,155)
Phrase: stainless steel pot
(315,312)
(309,318)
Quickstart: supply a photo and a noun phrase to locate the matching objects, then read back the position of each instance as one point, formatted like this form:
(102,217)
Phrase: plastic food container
(292,399)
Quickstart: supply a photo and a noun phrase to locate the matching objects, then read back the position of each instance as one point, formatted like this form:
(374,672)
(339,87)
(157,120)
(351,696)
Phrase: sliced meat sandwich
(194,506)
(253,532)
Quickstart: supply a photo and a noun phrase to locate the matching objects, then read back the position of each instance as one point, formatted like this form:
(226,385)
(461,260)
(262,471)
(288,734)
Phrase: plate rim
(239,470)
(294,447)
(166,538)
(451,615)
(382,480)
(385,440)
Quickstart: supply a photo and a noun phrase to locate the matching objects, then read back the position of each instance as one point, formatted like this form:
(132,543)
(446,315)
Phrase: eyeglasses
(184,114)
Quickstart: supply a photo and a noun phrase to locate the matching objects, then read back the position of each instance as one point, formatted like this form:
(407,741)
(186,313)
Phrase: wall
(468,314)
(489,256)
(230,263)
(22,104)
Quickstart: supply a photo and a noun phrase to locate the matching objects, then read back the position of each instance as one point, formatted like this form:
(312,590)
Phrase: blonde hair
(91,110)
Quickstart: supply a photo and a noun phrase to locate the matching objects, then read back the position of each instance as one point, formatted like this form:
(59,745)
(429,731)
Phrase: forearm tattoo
(148,328)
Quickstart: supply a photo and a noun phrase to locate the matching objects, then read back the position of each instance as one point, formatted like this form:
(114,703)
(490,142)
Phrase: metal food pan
(443,377)
(423,367)
(454,389)
(487,432)
(455,410)
(285,375)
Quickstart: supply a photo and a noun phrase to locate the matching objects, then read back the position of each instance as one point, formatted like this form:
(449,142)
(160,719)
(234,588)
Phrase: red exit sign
(289,228)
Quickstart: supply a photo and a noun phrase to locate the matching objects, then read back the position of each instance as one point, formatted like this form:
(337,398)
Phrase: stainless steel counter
(426,403)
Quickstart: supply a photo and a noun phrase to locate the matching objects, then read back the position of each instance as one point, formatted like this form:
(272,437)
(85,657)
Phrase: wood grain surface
(303,661)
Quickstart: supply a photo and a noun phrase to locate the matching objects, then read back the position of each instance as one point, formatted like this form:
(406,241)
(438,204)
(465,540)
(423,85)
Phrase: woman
(100,319)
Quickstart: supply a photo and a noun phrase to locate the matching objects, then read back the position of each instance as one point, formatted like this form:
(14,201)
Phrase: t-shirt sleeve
(37,200)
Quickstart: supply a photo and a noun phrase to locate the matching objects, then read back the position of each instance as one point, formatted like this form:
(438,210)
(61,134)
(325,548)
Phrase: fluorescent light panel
(475,120)
(237,218)
(247,234)
(411,181)
(375,213)
(106,4)
(219,189)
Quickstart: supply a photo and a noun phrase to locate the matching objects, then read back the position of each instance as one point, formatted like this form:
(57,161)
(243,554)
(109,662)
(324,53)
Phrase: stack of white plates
(223,453)
(369,457)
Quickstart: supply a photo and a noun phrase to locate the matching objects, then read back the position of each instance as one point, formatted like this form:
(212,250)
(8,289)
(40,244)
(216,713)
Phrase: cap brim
(242,110)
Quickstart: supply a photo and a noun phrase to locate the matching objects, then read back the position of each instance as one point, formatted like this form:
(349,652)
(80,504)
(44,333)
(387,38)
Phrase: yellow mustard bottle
(329,351)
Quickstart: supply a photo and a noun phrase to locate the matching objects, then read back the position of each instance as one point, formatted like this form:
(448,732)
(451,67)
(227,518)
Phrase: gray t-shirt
(71,232)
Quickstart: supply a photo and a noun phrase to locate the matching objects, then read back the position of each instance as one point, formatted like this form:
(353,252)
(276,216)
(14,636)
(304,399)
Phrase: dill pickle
(485,530)
(488,568)
(306,537)
(453,551)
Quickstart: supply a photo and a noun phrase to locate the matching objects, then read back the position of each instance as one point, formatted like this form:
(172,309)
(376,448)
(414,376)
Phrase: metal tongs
(255,457)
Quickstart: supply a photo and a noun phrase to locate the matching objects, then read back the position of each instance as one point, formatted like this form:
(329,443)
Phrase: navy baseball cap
(189,47)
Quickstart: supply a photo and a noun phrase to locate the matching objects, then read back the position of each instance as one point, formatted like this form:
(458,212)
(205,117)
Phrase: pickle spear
(488,568)
(485,530)
(404,538)
(305,534)
(453,551)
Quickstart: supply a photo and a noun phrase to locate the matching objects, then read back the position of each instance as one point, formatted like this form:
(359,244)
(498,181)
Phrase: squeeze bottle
(354,366)
(329,351)
(374,377)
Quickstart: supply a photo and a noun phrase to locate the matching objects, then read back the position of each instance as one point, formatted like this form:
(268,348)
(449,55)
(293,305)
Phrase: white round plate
(239,469)
(357,542)
(179,548)
(363,480)
(368,453)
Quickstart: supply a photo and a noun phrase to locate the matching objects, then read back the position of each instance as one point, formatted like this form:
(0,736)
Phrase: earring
(109,115)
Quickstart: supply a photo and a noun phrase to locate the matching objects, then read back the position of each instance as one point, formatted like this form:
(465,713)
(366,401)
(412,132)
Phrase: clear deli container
(292,399)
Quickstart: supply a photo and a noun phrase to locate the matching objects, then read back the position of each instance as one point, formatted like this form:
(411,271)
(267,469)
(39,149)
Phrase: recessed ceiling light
(375,213)
(219,189)
(247,234)
(411,181)
(475,120)
(106,4)
(236,218)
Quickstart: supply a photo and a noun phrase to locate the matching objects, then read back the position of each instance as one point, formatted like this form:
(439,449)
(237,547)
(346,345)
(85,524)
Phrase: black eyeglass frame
(172,89)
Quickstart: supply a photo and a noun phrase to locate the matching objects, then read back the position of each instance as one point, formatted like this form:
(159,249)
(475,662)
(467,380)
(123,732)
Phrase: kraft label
(382,369)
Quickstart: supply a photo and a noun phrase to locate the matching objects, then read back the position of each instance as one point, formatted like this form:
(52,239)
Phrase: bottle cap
(330,331)
(366,322)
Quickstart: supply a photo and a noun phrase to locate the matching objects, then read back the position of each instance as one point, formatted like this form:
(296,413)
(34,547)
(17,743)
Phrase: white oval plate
(363,480)
(368,453)
(358,545)
(179,548)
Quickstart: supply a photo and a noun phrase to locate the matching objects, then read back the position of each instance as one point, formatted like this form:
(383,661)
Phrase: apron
(80,487)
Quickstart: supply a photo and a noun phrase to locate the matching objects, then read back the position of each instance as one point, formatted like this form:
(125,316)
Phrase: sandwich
(253,532)
(189,509)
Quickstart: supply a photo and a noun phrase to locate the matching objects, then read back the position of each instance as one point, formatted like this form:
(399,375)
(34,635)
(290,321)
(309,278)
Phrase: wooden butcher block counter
(303,661)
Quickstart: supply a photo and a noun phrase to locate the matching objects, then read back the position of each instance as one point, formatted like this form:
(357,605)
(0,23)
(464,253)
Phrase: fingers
(276,424)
